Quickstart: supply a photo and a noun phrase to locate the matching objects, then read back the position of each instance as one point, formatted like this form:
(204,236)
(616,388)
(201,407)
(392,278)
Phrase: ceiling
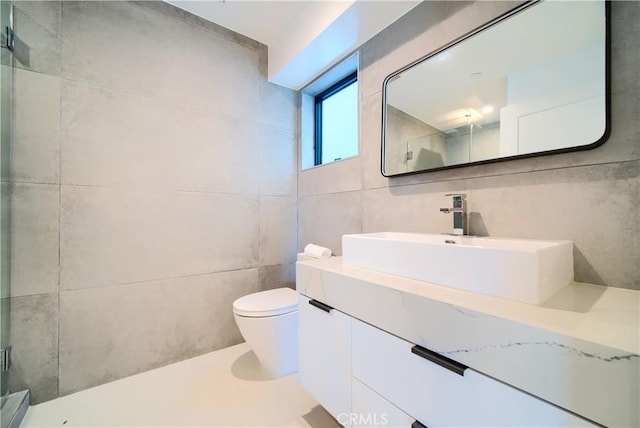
(262,20)
(304,38)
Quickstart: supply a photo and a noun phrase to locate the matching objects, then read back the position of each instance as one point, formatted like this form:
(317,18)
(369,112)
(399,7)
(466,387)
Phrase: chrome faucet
(459,211)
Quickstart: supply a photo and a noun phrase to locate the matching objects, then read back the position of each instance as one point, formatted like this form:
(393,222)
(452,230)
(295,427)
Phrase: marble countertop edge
(607,316)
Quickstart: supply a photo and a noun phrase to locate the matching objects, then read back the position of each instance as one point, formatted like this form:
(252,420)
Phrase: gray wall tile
(34,239)
(278,106)
(277,276)
(114,139)
(212,233)
(112,332)
(6,86)
(36,128)
(597,207)
(162,146)
(142,42)
(47,13)
(323,219)
(112,236)
(117,236)
(278,234)
(625,87)
(407,209)
(216,153)
(34,340)
(278,155)
(37,48)
(340,176)
(371,138)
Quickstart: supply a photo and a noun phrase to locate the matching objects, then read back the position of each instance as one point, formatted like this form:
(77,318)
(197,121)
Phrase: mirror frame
(504,16)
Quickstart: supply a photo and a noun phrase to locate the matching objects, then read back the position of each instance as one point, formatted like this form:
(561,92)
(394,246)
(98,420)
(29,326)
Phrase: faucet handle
(458,199)
(459,211)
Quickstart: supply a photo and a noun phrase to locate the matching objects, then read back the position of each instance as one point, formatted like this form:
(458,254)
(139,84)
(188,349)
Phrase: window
(336,121)
(329,116)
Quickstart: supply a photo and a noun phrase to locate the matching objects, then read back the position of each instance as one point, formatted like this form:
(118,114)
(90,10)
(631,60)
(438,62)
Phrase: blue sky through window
(340,124)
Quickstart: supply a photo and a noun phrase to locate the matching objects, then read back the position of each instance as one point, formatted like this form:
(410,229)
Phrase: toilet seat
(267,303)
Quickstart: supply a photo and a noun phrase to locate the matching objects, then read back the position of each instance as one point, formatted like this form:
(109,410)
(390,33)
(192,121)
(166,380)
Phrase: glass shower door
(6,84)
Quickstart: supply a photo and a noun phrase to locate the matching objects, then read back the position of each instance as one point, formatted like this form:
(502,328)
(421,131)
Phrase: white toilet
(268,321)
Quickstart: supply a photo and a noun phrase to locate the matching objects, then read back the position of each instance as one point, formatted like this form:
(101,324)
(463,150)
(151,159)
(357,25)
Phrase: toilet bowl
(268,321)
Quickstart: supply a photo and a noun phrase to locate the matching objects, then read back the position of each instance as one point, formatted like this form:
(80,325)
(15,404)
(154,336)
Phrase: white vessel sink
(526,270)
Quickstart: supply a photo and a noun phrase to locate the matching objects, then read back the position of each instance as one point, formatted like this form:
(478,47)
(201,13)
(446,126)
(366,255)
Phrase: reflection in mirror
(531,82)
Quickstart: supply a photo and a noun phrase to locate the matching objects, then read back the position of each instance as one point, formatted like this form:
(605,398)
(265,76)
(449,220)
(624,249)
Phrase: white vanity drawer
(324,355)
(371,409)
(437,396)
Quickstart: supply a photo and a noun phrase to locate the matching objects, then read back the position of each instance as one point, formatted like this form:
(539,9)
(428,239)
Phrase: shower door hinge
(6,359)
(8,38)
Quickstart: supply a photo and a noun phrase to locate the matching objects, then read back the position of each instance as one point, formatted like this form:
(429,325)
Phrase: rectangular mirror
(532,82)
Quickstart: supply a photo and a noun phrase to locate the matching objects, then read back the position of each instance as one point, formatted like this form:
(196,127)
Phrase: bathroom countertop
(579,350)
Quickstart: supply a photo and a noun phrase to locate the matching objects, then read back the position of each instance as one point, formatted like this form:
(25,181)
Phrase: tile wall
(590,197)
(154,182)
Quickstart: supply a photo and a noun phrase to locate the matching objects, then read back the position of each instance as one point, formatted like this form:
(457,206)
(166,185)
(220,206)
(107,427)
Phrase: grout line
(435,182)
(218,30)
(162,190)
(168,278)
(480,177)
(260,196)
(360,146)
(171,102)
(60,193)
(37,183)
(146,189)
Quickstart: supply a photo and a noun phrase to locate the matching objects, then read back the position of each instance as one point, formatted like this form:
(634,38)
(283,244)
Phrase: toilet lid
(267,303)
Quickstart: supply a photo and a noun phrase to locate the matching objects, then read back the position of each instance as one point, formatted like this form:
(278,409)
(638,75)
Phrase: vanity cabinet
(324,356)
(441,392)
(365,376)
(368,408)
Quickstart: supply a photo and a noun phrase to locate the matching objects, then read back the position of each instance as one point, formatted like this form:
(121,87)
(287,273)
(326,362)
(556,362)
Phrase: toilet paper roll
(316,251)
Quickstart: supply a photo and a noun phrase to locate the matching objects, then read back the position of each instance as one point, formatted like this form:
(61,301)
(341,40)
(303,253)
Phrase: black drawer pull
(440,360)
(417,424)
(320,305)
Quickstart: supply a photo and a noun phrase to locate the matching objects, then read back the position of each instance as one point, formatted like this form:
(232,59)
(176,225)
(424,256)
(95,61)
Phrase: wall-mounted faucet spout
(459,211)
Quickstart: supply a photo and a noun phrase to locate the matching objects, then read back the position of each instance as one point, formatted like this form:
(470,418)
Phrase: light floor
(221,389)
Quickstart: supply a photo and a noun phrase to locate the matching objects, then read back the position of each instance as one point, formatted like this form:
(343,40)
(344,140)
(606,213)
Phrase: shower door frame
(6,118)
